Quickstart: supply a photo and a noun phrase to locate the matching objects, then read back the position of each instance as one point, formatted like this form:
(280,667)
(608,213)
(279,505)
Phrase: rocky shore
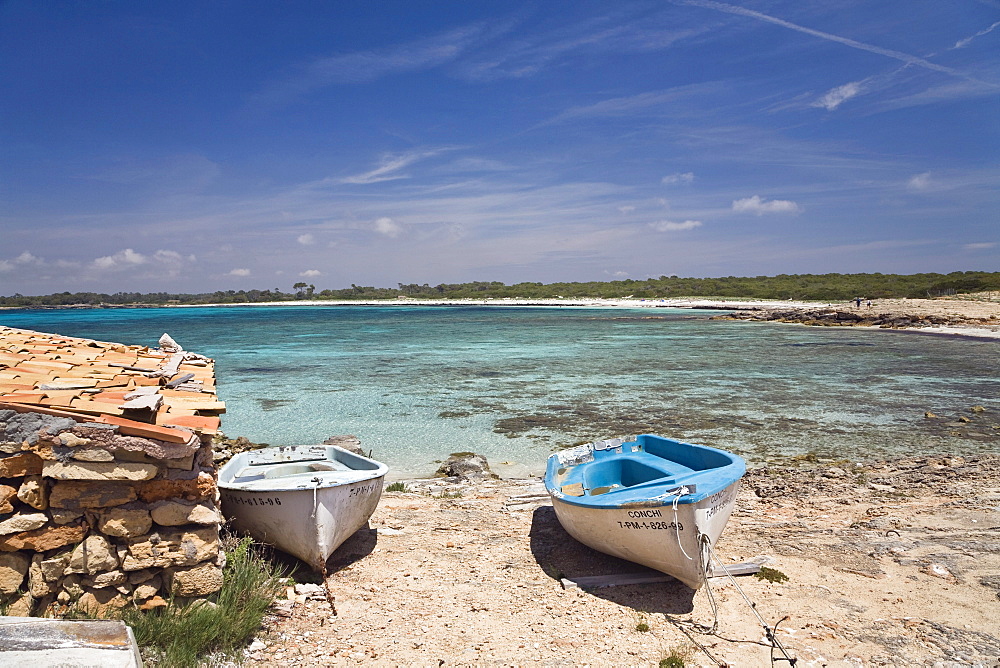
(888,563)
(955,316)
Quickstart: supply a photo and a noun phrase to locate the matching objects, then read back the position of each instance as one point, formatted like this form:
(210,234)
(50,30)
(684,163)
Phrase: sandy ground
(892,564)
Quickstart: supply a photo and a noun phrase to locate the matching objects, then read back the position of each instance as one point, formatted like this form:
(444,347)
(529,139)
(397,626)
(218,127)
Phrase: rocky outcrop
(95,518)
(466,466)
(831,317)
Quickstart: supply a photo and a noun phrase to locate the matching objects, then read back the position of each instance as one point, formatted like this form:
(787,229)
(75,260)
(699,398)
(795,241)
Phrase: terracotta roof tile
(82,378)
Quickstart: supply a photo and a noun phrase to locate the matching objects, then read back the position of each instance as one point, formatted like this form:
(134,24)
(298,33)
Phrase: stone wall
(94,517)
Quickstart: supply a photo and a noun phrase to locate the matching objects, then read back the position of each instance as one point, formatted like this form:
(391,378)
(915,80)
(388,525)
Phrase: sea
(417,383)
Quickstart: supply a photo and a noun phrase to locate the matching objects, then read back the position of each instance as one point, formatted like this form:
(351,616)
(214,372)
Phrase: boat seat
(632,470)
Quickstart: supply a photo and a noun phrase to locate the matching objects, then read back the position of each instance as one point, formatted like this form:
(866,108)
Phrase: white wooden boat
(651,500)
(303,499)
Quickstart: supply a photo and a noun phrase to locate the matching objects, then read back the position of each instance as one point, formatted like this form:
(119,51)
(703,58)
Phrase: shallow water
(417,383)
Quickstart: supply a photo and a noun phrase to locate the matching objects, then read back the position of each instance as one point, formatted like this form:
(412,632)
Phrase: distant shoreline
(965,318)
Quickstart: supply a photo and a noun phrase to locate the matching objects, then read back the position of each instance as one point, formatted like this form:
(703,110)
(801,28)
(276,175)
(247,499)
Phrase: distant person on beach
(857,302)
(869,303)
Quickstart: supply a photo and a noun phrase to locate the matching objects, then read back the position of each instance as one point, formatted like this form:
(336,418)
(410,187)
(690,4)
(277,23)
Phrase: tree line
(820,287)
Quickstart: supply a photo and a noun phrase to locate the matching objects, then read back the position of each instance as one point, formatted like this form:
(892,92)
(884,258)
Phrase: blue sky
(197,146)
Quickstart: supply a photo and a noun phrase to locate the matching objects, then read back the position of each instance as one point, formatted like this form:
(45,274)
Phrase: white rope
(678,493)
(769,632)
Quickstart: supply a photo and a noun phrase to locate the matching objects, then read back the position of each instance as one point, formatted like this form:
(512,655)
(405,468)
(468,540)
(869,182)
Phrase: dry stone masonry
(107,484)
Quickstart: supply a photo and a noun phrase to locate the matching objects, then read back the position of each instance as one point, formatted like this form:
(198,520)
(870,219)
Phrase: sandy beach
(888,564)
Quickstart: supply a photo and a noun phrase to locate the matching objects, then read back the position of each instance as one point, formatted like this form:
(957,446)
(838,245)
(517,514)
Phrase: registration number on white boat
(652,525)
(252,500)
(364,489)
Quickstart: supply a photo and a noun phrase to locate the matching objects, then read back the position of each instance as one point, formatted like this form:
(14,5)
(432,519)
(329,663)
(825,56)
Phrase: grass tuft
(770,574)
(397,487)
(185,635)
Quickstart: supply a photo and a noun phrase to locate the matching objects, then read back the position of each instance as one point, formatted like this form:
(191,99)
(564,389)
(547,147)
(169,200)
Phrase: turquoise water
(418,383)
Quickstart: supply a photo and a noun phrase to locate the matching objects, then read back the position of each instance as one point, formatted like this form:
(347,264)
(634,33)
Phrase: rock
(466,465)
(46,538)
(123,522)
(6,494)
(62,516)
(94,555)
(101,602)
(929,415)
(172,548)
(93,455)
(71,440)
(347,442)
(13,568)
(176,513)
(200,580)
(20,465)
(104,580)
(23,522)
(34,492)
(202,487)
(100,471)
(38,585)
(153,603)
(76,495)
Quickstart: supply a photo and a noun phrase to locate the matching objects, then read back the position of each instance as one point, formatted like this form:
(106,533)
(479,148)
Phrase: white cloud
(25,258)
(390,167)
(306,239)
(985,245)
(388,227)
(123,258)
(670,226)
(310,273)
(962,43)
(130,258)
(837,96)
(854,44)
(672,179)
(626,209)
(239,272)
(920,182)
(758,206)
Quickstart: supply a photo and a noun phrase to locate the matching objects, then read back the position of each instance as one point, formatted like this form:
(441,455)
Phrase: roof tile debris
(163,393)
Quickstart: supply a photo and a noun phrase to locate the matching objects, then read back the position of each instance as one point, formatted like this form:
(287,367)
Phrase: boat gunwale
(702,484)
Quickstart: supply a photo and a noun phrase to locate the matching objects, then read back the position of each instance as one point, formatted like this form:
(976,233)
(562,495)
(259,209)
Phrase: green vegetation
(677,657)
(457,494)
(823,287)
(184,635)
(642,622)
(397,487)
(770,574)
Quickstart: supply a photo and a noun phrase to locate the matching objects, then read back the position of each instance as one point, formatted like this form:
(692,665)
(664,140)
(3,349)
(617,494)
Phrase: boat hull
(308,514)
(650,500)
(665,538)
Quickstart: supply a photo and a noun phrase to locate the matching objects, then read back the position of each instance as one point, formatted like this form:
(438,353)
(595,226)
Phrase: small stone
(23,522)
(46,538)
(76,495)
(100,471)
(20,465)
(94,555)
(125,522)
(93,455)
(13,568)
(176,513)
(153,603)
(69,439)
(6,494)
(200,580)
(34,492)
